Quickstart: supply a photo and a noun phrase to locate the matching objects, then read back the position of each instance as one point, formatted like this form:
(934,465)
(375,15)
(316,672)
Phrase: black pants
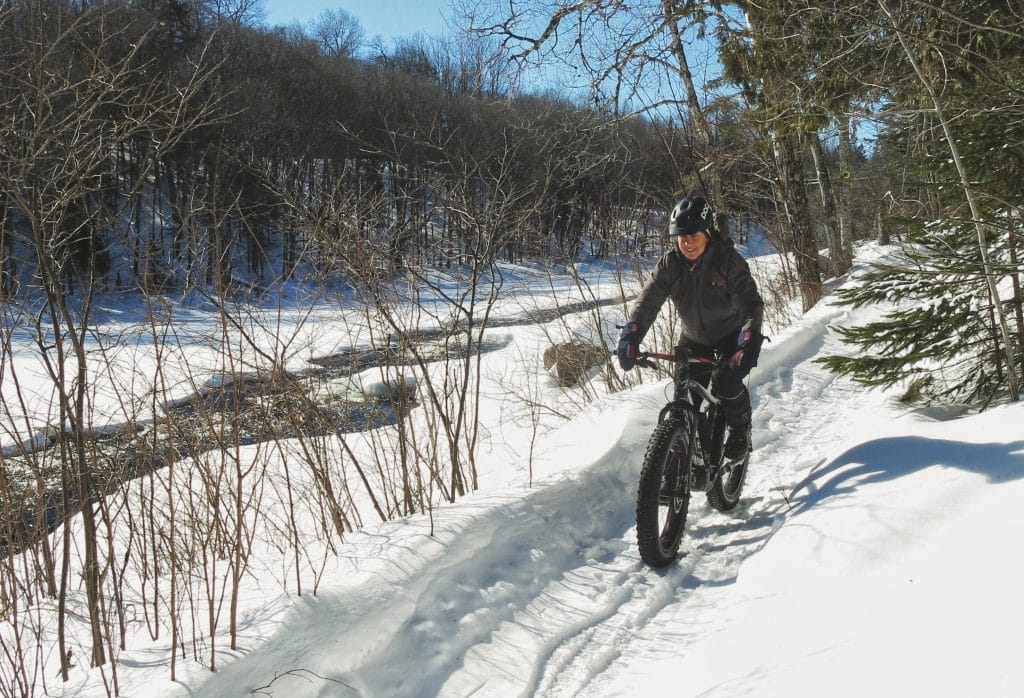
(729,389)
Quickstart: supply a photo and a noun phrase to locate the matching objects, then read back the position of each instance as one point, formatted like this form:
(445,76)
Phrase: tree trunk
(789,179)
(794,198)
(8,269)
(1018,298)
(881,230)
(828,203)
(844,188)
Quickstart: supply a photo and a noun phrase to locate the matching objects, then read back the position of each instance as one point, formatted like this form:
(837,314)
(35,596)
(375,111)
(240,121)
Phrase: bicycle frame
(697,400)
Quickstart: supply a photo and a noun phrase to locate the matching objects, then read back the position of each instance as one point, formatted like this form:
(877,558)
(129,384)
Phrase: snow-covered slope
(876,552)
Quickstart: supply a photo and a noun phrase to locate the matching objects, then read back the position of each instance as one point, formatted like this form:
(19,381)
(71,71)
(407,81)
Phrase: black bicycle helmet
(692,214)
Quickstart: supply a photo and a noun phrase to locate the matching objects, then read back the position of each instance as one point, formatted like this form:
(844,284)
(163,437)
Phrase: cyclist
(718,303)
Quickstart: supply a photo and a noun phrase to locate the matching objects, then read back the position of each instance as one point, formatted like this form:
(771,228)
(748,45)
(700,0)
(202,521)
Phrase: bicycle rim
(663,495)
(724,494)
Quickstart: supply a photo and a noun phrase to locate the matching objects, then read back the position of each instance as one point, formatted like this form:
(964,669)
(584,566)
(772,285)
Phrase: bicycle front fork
(707,451)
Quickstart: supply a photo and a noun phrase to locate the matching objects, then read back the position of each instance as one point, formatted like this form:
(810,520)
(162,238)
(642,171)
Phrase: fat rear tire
(725,491)
(663,496)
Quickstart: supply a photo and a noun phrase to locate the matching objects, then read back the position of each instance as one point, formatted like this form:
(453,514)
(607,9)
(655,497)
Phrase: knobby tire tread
(654,550)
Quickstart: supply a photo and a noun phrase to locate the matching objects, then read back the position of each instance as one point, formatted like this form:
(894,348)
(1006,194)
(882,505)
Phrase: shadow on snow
(886,459)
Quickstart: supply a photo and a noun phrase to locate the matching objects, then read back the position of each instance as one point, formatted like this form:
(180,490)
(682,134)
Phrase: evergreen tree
(941,338)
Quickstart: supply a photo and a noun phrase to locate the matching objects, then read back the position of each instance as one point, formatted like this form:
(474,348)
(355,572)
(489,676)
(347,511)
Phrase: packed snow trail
(492,556)
(586,634)
(542,592)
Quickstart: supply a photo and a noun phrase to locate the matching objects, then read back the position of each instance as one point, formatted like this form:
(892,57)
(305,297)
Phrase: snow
(876,551)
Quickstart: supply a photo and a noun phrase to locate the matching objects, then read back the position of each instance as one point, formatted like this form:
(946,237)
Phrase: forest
(156,153)
(183,145)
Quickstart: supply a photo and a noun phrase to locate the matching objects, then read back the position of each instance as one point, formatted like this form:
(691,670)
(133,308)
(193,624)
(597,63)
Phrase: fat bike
(684,455)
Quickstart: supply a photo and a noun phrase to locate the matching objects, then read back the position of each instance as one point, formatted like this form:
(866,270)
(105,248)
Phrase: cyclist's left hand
(749,349)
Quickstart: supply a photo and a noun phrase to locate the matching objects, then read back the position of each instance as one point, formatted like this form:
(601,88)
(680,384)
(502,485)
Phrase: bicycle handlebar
(644,357)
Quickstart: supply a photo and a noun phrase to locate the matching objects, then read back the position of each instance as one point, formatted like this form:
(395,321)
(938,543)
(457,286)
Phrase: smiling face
(692,246)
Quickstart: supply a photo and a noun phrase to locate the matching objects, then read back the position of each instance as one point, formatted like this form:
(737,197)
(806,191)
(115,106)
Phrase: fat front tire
(663,497)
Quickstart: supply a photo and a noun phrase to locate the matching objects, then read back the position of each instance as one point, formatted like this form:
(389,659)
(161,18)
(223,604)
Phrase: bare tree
(337,32)
(85,88)
(634,57)
(215,13)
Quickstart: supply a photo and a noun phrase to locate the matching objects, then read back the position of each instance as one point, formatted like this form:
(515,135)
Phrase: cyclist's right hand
(629,346)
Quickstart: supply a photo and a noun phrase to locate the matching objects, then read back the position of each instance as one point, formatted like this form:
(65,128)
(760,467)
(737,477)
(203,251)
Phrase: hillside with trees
(158,156)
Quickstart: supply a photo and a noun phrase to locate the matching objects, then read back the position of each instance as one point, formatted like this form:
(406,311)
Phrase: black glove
(748,350)
(629,346)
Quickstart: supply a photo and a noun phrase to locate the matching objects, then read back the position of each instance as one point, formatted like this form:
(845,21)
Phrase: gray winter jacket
(713,296)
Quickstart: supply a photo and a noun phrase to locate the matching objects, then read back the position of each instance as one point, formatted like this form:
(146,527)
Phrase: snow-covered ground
(876,551)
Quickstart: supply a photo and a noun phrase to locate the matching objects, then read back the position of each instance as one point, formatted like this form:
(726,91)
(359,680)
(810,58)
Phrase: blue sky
(388,18)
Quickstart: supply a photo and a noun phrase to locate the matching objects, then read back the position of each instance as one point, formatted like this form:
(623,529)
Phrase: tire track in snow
(568,653)
(575,652)
(543,593)
(488,569)
(798,426)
